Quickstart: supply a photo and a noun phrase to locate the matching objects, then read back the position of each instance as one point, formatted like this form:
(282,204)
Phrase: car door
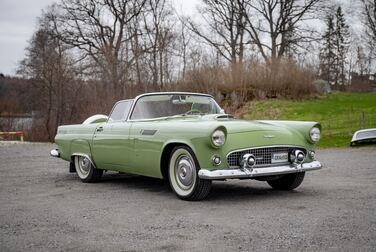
(147,148)
(112,146)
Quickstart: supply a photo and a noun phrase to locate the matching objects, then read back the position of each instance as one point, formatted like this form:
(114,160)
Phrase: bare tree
(369,12)
(362,61)
(185,39)
(275,25)
(137,47)
(49,66)
(369,9)
(98,29)
(226,28)
(158,36)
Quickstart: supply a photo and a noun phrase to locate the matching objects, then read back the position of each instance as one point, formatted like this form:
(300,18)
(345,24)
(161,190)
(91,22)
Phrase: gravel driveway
(44,207)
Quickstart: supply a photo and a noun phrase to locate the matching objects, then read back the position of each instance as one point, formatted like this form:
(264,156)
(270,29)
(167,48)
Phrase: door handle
(99,129)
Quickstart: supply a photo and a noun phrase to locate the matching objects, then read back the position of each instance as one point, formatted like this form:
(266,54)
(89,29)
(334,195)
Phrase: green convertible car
(189,140)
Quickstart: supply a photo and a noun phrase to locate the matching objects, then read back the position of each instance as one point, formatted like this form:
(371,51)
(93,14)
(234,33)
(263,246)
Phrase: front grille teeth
(263,155)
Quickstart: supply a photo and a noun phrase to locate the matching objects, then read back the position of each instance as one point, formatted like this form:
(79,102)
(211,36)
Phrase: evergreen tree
(333,55)
(327,53)
(342,46)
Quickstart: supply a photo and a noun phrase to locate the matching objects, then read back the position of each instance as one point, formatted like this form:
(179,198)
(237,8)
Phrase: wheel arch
(81,147)
(166,152)
(75,154)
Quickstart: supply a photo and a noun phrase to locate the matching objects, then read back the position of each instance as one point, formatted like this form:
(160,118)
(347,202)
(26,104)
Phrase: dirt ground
(44,207)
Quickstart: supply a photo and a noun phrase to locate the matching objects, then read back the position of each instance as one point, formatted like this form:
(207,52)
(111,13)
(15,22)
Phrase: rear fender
(81,146)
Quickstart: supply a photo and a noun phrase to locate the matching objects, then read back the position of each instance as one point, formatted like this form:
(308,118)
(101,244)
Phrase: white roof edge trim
(93,118)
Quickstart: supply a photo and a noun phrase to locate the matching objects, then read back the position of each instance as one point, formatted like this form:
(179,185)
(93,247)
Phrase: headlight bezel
(315,134)
(218,138)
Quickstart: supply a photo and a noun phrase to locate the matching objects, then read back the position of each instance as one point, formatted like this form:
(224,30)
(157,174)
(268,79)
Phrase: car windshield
(164,105)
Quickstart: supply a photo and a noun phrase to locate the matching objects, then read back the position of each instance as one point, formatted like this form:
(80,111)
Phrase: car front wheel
(183,175)
(287,182)
(86,170)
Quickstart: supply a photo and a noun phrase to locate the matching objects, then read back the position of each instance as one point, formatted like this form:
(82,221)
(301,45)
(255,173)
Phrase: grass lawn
(340,114)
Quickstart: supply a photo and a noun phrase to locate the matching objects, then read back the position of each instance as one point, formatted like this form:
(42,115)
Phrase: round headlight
(218,138)
(315,134)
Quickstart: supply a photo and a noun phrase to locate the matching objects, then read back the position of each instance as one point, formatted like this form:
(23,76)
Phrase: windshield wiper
(184,115)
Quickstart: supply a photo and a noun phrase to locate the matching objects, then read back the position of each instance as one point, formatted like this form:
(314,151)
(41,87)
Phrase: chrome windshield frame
(161,93)
(123,120)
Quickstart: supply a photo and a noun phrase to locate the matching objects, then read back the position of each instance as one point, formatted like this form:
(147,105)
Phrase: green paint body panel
(136,146)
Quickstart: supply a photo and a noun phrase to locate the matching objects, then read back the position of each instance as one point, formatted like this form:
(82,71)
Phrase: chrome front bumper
(258,172)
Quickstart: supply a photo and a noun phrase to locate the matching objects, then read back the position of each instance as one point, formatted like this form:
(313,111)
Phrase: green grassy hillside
(340,114)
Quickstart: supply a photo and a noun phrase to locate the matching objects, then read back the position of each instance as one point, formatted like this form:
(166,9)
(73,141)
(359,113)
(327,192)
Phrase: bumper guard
(55,153)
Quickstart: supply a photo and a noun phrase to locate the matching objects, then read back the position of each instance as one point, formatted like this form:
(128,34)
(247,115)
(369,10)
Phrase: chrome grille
(263,155)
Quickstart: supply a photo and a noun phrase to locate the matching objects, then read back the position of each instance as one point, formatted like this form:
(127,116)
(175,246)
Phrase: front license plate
(280,157)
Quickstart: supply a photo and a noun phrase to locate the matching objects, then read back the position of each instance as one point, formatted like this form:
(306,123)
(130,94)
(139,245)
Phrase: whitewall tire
(86,170)
(183,175)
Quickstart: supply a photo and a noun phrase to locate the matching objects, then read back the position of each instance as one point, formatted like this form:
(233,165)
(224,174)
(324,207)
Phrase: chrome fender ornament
(269,136)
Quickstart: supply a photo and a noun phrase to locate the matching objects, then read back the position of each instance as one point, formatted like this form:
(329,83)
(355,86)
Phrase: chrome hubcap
(184,171)
(84,165)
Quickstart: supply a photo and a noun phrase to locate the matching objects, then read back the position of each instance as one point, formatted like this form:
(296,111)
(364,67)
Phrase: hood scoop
(226,116)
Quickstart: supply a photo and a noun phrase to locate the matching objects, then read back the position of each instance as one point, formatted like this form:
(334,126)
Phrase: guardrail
(20,134)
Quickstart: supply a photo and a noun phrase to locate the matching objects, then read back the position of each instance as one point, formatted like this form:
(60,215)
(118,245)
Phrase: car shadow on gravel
(221,191)
(135,181)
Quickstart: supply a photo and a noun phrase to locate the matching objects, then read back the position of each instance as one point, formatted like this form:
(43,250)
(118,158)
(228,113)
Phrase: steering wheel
(192,111)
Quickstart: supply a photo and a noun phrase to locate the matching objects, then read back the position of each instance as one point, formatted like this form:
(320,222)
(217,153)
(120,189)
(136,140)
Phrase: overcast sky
(18,20)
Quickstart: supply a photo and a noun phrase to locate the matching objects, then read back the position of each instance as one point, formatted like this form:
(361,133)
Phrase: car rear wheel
(183,175)
(287,182)
(86,170)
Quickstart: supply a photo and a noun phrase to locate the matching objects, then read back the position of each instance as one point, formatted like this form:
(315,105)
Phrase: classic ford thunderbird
(189,140)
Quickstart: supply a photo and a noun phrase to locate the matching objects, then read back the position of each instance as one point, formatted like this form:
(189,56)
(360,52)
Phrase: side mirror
(222,111)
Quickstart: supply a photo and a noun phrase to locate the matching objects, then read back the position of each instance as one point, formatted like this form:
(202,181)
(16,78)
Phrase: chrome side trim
(258,172)
(147,132)
(84,155)
(55,153)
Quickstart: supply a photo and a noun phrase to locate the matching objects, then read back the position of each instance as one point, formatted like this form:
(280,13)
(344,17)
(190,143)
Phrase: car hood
(240,133)
(239,126)
(243,133)
(233,125)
